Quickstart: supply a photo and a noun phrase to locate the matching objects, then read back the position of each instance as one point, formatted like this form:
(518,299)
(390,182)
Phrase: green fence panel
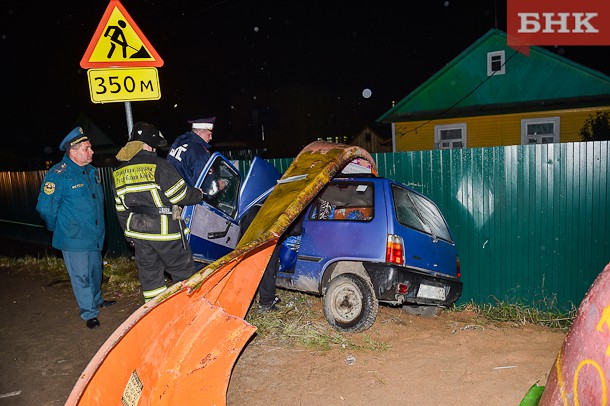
(531,223)
(18,196)
(116,244)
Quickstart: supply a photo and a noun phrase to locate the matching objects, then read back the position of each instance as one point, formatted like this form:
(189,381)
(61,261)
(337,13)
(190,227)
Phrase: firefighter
(148,192)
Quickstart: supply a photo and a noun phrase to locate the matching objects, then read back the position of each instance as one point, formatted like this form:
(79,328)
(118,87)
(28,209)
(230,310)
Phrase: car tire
(423,310)
(350,304)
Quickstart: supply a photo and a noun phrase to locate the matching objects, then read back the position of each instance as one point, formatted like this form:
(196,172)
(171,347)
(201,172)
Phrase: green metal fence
(530,222)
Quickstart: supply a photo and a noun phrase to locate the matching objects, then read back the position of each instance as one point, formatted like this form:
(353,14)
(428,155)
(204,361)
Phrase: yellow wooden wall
(491,131)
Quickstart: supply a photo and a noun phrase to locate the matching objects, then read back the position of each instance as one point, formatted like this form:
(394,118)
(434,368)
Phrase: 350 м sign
(123,84)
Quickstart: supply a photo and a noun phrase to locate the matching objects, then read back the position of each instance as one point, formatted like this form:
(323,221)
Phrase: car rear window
(344,201)
(415,211)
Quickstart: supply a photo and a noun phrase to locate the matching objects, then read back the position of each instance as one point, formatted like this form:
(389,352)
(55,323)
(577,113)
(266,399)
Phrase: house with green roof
(493,95)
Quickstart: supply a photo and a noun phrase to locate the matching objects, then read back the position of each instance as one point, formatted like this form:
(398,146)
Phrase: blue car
(363,240)
(366,240)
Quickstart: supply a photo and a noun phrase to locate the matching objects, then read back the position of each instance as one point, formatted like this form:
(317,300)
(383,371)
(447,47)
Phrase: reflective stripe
(181,184)
(150,294)
(152,237)
(164,224)
(136,188)
(156,198)
(178,197)
(119,204)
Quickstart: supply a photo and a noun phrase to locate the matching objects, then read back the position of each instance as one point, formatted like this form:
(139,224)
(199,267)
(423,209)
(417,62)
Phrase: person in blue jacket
(71,203)
(190,151)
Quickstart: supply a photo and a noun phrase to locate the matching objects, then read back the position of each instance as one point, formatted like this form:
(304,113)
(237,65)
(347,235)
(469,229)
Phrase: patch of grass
(120,274)
(300,321)
(50,267)
(520,314)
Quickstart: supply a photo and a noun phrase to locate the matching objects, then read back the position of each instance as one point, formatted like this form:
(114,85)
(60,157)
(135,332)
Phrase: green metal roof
(542,80)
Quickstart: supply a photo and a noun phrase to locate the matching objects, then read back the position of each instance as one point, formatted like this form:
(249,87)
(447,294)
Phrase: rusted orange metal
(180,348)
(581,374)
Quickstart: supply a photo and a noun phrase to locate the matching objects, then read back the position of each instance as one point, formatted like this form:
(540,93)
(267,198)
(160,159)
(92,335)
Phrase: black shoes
(93,323)
(269,308)
(264,309)
(107,303)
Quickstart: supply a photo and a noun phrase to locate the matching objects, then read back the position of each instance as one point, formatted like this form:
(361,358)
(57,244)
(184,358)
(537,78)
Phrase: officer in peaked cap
(203,123)
(190,151)
(76,136)
(148,134)
(71,203)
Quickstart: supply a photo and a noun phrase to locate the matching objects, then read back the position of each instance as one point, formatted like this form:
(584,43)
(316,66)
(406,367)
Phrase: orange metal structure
(180,348)
(581,374)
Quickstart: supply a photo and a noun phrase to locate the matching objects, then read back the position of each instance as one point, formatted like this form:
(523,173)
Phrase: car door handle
(219,234)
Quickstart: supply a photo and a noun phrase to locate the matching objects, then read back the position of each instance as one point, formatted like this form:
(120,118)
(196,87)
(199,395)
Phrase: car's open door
(214,224)
(213,229)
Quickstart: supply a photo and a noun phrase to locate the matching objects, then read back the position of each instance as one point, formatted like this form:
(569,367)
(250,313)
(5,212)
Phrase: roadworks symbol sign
(118,42)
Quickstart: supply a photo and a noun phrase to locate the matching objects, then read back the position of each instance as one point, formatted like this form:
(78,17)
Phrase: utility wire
(442,113)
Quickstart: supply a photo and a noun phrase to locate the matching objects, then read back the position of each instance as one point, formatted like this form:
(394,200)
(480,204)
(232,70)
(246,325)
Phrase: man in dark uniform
(148,190)
(71,203)
(190,151)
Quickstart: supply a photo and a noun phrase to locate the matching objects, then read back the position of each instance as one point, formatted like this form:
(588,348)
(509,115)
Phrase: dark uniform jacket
(71,203)
(189,154)
(145,189)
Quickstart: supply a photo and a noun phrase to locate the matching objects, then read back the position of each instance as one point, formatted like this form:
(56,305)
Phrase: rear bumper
(386,280)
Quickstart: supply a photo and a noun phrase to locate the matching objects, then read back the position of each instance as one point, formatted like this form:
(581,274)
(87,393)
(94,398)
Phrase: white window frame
(491,56)
(438,129)
(526,122)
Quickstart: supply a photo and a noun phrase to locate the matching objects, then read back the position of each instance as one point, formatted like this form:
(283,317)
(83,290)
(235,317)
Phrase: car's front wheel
(350,304)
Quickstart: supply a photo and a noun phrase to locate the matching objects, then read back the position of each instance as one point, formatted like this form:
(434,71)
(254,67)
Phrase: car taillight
(459,270)
(394,252)
(402,288)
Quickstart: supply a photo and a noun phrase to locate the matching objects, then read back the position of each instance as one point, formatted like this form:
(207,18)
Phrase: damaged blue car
(363,240)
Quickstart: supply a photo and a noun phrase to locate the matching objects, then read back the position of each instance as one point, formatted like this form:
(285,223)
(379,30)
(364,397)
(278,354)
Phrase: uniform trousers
(85,270)
(154,258)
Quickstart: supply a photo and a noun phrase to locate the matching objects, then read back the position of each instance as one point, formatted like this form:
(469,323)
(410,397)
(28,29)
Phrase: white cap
(203,126)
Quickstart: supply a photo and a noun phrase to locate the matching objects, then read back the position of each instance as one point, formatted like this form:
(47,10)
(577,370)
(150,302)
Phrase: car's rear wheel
(350,304)
(422,310)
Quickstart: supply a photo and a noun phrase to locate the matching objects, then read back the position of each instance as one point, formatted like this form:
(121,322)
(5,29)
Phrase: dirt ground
(452,359)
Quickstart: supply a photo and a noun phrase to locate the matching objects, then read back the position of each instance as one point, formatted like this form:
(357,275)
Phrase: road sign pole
(129,117)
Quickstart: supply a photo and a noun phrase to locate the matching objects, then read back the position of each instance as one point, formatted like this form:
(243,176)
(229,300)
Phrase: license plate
(431,292)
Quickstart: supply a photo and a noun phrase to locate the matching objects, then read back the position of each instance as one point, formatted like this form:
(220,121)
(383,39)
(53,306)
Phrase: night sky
(214,50)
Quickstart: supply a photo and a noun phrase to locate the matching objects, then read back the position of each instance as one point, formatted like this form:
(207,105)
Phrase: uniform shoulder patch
(61,168)
(49,188)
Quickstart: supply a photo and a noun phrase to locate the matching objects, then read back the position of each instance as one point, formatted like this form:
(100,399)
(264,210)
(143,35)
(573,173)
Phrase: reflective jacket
(145,189)
(71,203)
(189,154)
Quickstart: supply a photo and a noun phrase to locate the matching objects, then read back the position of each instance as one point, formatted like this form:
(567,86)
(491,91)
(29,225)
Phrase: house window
(540,130)
(451,136)
(495,63)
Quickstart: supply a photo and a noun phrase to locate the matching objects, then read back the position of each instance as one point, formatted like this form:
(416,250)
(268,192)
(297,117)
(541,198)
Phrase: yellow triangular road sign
(118,42)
